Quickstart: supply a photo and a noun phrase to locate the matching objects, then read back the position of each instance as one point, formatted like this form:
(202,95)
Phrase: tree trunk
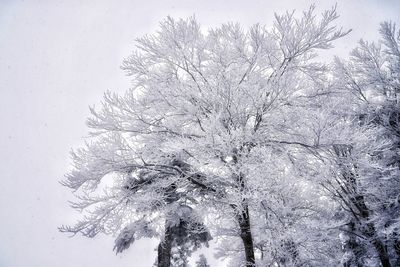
(246,236)
(382,252)
(164,250)
(357,202)
(396,248)
(243,218)
(353,247)
(378,245)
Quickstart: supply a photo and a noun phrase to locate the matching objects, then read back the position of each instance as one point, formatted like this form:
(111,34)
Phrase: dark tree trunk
(246,236)
(396,247)
(243,218)
(356,202)
(380,248)
(164,250)
(165,246)
(352,245)
(382,252)
(370,232)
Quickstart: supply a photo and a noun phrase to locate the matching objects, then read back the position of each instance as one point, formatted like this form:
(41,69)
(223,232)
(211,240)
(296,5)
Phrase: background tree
(369,184)
(202,262)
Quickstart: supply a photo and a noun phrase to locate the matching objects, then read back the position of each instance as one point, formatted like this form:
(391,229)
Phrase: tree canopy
(243,135)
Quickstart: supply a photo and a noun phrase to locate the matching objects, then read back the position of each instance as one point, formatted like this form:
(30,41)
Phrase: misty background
(56,59)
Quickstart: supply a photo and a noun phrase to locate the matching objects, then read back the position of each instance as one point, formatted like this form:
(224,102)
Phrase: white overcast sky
(56,59)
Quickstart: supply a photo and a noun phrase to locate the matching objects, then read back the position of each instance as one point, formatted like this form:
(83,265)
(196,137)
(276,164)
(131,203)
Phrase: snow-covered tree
(212,120)
(369,185)
(202,262)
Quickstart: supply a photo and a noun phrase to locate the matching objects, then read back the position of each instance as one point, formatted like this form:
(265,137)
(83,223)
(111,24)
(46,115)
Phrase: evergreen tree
(202,262)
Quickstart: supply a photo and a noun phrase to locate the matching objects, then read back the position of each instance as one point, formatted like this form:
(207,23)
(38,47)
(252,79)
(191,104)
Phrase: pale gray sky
(56,59)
